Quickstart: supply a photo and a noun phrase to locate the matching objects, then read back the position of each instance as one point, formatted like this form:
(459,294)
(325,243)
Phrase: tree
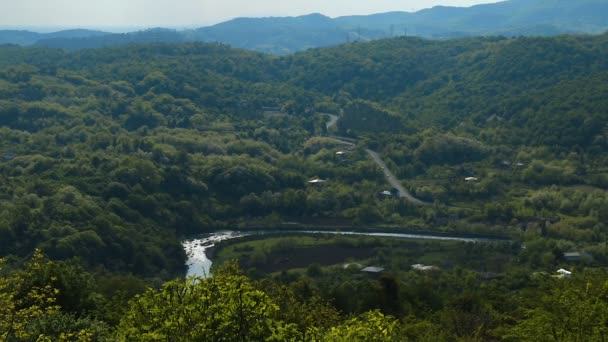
(30,311)
(572,310)
(225,307)
(21,306)
(370,327)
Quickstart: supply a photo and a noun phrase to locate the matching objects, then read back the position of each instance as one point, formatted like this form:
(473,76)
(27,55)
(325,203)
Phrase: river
(199,264)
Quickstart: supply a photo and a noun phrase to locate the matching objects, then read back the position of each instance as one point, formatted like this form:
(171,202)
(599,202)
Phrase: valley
(113,159)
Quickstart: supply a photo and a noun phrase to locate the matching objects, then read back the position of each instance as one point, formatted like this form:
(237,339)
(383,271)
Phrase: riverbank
(201,251)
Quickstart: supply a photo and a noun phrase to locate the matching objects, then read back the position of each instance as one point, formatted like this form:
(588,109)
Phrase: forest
(110,158)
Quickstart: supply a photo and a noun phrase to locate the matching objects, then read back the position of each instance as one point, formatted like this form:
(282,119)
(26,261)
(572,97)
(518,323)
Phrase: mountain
(285,35)
(22,37)
(277,35)
(156,35)
(514,17)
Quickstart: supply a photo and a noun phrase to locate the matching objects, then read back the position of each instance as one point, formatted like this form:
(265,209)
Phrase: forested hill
(170,129)
(521,83)
(113,156)
(22,37)
(285,35)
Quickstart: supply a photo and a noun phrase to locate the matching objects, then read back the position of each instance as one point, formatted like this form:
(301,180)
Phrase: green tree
(573,310)
(369,327)
(225,307)
(21,306)
(30,311)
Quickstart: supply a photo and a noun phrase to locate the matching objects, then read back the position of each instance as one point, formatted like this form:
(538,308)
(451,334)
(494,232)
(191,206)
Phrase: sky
(188,13)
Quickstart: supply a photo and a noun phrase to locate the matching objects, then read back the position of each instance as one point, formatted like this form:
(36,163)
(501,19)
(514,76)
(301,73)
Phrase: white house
(562,273)
(421,267)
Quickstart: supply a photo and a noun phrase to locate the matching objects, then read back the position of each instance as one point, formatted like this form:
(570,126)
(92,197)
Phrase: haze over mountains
(284,35)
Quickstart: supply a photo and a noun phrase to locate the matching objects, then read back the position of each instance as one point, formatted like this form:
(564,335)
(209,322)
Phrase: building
(421,267)
(471,179)
(575,256)
(373,270)
(316,181)
(385,194)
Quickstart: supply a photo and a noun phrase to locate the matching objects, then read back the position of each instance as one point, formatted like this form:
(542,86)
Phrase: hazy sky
(182,13)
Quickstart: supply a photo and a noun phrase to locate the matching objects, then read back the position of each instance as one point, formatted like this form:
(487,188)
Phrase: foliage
(30,311)
(224,307)
(114,155)
(572,310)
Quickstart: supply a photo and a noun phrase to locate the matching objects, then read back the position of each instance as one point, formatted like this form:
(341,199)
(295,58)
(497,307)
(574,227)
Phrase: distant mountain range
(284,35)
(31,38)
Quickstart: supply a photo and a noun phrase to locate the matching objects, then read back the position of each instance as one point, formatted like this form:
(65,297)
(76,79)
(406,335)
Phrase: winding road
(390,177)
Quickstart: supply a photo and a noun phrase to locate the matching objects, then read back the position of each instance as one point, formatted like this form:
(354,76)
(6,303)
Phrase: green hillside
(110,157)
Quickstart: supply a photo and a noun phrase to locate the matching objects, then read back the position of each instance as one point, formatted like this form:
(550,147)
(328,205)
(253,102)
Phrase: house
(572,256)
(373,270)
(575,256)
(386,194)
(562,273)
(421,267)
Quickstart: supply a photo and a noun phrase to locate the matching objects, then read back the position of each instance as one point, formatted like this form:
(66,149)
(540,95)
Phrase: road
(393,181)
(333,119)
(390,177)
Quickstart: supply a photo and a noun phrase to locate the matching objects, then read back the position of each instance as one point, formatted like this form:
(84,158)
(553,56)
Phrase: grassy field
(284,253)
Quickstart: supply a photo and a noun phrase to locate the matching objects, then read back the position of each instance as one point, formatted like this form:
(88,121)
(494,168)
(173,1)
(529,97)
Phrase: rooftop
(421,267)
(373,269)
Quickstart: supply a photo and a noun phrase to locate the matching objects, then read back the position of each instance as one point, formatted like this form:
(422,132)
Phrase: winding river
(199,264)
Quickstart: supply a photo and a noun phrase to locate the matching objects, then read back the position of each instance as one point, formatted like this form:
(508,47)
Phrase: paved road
(393,181)
(390,177)
(333,119)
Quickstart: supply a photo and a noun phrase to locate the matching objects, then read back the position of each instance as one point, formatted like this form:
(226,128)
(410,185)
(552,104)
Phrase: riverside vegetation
(109,157)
